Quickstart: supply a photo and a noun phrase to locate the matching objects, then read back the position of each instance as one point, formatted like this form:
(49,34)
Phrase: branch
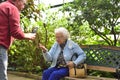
(45,34)
(102,35)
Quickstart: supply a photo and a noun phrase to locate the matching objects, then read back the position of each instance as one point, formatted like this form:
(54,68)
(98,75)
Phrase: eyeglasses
(59,37)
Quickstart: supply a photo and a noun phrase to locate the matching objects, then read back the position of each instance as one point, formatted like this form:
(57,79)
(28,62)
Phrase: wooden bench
(101,58)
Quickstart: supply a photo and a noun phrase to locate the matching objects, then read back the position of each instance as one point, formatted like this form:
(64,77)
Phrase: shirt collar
(63,45)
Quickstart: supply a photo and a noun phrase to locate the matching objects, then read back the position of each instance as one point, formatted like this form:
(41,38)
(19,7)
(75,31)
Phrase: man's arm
(14,26)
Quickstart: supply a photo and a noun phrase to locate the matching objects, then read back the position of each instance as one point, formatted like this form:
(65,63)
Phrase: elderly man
(10,29)
(60,55)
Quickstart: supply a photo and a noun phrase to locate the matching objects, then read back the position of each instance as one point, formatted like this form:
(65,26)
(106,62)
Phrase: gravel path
(14,77)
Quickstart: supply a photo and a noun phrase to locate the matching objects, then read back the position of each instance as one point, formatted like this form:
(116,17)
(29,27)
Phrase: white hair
(64,31)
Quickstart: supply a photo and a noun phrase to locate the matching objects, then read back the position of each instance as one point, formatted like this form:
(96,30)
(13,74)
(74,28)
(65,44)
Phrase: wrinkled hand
(44,49)
(30,36)
(70,64)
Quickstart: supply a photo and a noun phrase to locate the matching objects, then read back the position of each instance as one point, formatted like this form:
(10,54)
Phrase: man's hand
(44,49)
(30,36)
(70,64)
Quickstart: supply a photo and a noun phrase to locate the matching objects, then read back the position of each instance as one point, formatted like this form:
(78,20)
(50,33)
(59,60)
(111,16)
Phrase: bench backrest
(103,58)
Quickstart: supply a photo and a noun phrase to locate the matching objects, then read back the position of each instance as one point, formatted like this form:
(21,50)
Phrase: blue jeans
(55,73)
(3,63)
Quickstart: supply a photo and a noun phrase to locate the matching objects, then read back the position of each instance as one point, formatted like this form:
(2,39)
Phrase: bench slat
(90,78)
(101,68)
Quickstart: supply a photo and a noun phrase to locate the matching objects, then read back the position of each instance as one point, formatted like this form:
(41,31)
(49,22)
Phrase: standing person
(10,29)
(60,55)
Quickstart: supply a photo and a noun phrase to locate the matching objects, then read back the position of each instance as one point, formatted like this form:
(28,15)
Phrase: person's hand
(70,64)
(44,49)
(30,36)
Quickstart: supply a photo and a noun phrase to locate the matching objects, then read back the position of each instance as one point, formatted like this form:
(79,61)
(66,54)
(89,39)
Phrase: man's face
(20,4)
